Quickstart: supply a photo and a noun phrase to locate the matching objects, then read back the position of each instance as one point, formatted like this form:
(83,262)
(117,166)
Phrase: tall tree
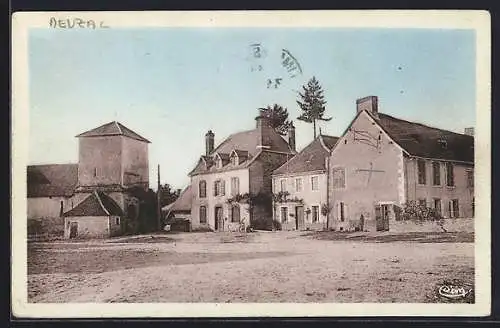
(168,195)
(279,118)
(312,103)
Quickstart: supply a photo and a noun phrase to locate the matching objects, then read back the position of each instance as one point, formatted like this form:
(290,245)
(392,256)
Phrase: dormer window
(218,161)
(234,160)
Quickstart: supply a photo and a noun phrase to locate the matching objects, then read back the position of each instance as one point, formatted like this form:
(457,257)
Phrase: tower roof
(112,129)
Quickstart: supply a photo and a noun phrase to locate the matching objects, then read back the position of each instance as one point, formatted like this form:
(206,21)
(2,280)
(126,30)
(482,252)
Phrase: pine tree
(279,118)
(312,103)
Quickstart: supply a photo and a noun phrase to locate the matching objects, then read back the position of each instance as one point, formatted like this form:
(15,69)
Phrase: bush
(420,214)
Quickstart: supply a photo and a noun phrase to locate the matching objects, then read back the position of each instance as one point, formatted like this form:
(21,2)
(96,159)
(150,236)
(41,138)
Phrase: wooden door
(299,217)
(382,217)
(73,230)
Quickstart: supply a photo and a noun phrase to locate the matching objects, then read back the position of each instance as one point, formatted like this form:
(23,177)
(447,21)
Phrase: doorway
(219,223)
(299,218)
(73,230)
(382,217)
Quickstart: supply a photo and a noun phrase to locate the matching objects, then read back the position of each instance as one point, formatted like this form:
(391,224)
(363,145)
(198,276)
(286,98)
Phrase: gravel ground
(256,267)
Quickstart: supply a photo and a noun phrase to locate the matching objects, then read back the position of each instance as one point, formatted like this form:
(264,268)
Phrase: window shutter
(215,188)
(223,187)
(346,212)
(337,210)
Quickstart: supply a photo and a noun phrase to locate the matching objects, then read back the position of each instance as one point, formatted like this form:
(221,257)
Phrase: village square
(262,207)
(216,167)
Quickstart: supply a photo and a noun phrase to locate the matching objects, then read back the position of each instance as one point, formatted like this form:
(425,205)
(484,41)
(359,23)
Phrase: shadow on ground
(417,237)
(97,260)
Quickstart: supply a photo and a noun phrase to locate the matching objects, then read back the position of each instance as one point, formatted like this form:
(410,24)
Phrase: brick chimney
(263,125)
(291,136)
(469,131)
(209,142)
(370,104)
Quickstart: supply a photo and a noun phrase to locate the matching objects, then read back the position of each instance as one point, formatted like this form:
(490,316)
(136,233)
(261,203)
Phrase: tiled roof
(425,141)
(241,153)
(96,204)
(246,141)
(112,129)
(183,203)
(52,180)
(311,158)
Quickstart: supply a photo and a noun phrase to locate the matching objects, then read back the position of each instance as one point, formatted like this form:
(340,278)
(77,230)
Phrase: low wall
(451,225)
(48,226)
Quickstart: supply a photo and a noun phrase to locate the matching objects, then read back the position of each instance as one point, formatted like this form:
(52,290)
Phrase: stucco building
(300,187)
(238,169)
(381,163)
(112,160)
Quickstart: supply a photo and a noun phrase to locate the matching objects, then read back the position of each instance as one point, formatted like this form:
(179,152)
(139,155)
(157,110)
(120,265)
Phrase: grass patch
(416,237)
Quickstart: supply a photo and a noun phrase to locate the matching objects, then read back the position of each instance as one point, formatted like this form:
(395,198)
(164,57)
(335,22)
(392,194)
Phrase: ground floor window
(203,214)
(235,213)
(284,214)
(117,220)
(454,204)
(342,211)
(437,205)
(315,214)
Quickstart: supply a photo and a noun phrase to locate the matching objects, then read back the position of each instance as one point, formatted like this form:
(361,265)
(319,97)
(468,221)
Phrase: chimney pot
(291,136)
(469,131)
(209,142)
(370,104)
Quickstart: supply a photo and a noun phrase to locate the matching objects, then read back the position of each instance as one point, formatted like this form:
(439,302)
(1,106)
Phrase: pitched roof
(245,141)
(52,180)
(181,204)
(96,204)
(112,129)
(424,141)
(311,158)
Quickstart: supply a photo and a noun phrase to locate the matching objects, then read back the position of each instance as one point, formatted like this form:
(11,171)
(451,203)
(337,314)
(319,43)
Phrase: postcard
(251,164)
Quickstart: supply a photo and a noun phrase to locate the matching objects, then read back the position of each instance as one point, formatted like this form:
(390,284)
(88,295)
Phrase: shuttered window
(436,174)
(450,177)
(338,174)
(203,214)
(421,171)
(203,189)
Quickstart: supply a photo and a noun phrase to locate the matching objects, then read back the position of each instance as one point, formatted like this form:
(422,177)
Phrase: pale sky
(171,85)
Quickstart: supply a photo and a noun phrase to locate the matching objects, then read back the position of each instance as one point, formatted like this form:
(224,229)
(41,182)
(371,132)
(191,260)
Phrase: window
(95,172)
(422,203)
(283,185)
(203,189)
(421,171)
(315,214)
(234,160)
(470,179)
(298,184)
(450,178)
(342,212)
(218,162)
(437,205)
(235,186)
(203,214)
(117,221)
(284,214)
(219,188)
(338,177)
(235,213)
(314,183)
(454,204)
(436,174)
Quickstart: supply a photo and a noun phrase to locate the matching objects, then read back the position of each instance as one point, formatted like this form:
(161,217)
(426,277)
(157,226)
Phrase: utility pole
(158,200)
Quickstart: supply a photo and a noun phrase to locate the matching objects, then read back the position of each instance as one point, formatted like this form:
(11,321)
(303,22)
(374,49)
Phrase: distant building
(301,184)
(112,161)
(381,162)
(181,207)
(239,166)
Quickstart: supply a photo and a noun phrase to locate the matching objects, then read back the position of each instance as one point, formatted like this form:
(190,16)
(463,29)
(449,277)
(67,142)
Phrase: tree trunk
(314,125)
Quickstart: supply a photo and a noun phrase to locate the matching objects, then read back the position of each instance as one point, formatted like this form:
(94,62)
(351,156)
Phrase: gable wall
(362,191)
